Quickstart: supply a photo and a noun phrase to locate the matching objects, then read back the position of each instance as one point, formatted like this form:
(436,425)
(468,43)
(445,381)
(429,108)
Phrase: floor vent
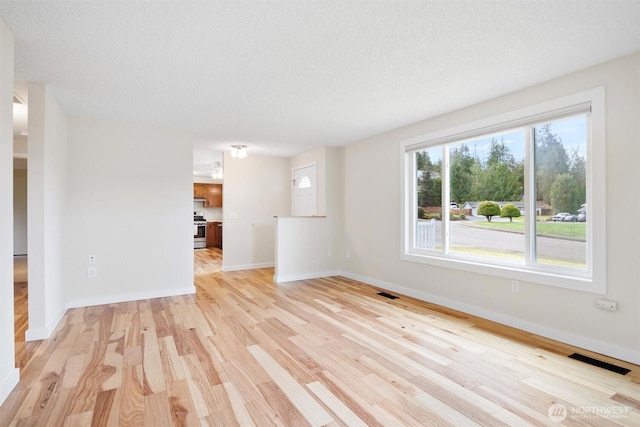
(600,364)
(386,295)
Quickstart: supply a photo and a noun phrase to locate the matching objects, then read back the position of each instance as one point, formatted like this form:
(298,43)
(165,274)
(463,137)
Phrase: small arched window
(305,182)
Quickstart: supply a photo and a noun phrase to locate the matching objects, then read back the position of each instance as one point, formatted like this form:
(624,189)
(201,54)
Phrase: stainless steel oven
(199,234)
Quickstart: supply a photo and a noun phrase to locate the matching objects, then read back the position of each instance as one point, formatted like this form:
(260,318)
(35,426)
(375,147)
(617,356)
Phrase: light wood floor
(245,352)
(24,350)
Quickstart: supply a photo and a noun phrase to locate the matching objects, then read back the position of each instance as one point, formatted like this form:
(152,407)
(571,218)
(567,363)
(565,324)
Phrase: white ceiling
(284,77)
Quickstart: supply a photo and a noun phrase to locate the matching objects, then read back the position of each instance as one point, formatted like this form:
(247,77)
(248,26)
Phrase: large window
(519,195)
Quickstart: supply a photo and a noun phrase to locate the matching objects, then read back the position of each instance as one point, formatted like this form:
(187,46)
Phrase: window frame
(594,278)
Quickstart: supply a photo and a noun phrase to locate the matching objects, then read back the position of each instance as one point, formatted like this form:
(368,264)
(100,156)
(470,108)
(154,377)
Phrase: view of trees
(488,209)
(509,211)
(560,175)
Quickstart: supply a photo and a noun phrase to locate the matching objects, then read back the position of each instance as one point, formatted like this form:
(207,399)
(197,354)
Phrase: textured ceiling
(287,76)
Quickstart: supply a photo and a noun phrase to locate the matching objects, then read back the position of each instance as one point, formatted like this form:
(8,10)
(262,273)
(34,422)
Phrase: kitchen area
(207,199)
(207,216)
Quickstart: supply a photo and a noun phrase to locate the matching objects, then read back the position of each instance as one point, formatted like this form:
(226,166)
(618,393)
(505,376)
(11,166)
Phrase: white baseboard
(113,299)
(608,349)
(34,334)
(279,278)
(247,266)
(8,383)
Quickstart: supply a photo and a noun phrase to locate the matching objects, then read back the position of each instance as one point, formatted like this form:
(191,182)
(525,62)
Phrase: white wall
(304,248)
(20,146)
(335,206)
(19,212)
(9,375)
(372,224)
(256,189)
(130,201)
(313,247)
(46,200)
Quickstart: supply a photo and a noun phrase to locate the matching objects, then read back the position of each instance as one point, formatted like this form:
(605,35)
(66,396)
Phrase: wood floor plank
(311,410)
(408,416)
(200,386)
(237,404)
(580,397)
(82,419)
(226,416)
(245,351)
(205,358)
(263,413)
(103,414)
(154,381)
(73,371)
(132,397)
(113,362)
(284,409)
(55,410)
(157,411)
(171,362)
(183,411)
(352,396)
(90,382)
(336,405)
(243,386)
(528,414)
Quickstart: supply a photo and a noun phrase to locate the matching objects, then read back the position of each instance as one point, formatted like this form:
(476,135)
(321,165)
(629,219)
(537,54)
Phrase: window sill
(512,272)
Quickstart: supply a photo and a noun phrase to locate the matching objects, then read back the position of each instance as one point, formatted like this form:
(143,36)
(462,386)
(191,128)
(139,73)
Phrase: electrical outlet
(348,254)
(329,253)
(92,272)
(92,259)
(515,286)
(604,304)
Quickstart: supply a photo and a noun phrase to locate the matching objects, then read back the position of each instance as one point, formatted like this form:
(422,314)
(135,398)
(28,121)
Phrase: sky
(572,131)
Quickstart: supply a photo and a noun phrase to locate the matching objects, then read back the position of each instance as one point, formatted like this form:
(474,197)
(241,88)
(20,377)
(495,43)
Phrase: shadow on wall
(264,242)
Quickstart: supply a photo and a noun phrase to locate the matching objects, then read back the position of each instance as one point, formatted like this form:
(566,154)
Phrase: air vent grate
(386,295)
(600,364)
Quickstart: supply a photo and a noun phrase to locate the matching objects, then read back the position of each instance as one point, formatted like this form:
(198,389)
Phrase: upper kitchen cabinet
(199,191)
(211,193)
(213,197)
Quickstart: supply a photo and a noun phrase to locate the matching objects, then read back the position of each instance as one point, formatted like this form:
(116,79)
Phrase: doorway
(20,260)
(305,191)
(208,183)
(20,235)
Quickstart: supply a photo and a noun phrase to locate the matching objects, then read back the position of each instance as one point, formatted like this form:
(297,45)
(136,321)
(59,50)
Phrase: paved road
(464,234)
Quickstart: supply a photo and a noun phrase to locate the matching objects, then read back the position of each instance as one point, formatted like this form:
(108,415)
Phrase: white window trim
(594,280)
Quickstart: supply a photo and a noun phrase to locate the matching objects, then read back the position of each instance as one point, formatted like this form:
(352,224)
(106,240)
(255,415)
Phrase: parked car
(570,218)
(560,216)
(582,217)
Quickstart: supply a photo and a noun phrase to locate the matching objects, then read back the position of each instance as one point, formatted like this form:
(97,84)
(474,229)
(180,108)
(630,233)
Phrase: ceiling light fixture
(239,151)
(217,171)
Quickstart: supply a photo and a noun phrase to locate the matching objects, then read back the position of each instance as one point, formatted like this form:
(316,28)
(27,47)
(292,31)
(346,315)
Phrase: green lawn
(569,229)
